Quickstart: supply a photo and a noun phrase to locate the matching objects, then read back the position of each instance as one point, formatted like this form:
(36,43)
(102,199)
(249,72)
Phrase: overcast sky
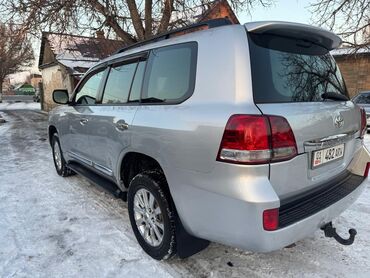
(283,10)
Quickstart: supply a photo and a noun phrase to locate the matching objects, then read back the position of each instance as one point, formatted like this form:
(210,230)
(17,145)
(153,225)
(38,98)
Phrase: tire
(59,162)
(153,183)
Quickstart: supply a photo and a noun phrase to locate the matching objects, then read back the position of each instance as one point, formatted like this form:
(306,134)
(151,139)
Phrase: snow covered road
(66,227)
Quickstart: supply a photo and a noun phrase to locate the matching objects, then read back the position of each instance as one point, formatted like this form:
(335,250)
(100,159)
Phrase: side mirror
(61,96)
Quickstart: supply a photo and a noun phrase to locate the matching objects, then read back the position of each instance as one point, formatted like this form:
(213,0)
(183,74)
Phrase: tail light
(366,173)
(271,219)
(257,139)
(363,122)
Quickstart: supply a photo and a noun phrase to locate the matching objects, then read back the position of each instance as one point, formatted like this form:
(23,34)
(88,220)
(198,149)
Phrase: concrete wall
(54,77)
(356,72)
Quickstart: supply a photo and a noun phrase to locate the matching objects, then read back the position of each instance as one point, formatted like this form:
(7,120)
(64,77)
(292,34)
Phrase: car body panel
(314,125)
(106,139)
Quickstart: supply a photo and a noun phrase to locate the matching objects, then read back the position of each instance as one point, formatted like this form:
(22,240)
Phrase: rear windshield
(290,70)
(362,99)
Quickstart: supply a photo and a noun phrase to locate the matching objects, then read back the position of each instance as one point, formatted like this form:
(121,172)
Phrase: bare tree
(129,20)
(15,51)
(349,18)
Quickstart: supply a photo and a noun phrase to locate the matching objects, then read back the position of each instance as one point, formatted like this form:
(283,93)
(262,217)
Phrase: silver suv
(237,134)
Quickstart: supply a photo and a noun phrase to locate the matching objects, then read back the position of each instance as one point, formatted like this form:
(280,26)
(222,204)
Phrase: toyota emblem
(338,121)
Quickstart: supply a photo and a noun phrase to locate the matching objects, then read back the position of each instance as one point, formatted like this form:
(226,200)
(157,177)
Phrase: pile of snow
(20,106)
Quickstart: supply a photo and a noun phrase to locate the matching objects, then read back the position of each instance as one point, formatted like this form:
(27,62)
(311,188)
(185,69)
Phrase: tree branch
(136,20)
(167,12)
(148,18)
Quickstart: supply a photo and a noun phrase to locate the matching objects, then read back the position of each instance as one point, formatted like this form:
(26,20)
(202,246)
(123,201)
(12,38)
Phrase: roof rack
(213,23)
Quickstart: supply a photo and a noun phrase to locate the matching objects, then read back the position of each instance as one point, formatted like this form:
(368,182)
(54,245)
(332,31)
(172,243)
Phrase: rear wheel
(152,215)
(59,162)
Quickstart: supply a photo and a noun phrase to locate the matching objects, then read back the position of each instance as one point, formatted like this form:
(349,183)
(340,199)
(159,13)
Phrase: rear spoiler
(319,36)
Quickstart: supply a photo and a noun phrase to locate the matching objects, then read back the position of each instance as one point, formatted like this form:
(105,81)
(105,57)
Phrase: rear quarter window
(171,72)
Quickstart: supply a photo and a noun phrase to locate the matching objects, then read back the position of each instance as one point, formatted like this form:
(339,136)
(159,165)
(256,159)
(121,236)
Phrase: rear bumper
(307,226)
(301,206)
(234,216)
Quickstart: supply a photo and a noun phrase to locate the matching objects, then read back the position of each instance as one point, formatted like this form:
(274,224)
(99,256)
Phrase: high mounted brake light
(257,139)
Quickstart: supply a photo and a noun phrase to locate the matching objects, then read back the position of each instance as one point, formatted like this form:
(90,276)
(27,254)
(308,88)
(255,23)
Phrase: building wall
(34,81)
(356,72)
(6,87)
(220,10)
(54,77)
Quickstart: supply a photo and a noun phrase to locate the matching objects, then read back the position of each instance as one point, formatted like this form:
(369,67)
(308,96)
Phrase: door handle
(121,125)
(83,121)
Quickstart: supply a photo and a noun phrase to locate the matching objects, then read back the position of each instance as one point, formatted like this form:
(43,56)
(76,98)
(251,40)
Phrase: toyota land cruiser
(237,134)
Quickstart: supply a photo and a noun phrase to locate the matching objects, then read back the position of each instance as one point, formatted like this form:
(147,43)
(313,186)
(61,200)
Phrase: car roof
(297,30)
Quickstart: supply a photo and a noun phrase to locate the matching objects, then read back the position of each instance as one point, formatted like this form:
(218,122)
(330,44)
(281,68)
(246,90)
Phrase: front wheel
(152,215)
(59,162)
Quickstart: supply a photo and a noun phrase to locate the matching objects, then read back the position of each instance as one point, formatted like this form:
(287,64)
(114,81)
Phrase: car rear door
(110,132)
(299,80)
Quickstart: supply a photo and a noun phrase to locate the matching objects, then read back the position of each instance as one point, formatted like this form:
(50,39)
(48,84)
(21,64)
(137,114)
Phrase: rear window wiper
(152,99)
(334,96)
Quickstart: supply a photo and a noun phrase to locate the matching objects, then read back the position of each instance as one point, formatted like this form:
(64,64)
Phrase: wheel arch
(186,244)
(51,131)
(134,162)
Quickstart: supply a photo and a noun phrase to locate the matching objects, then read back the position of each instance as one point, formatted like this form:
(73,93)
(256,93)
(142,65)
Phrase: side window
(171,73)
(118,83)
(89,89)
(138,81)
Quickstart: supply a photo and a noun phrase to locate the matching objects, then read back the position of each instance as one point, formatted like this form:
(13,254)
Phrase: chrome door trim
(96,166)
(80,158)
(103,169)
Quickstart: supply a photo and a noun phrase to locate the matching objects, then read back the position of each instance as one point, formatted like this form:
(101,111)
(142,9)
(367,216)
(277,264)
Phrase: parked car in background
(363,100)
(237,134)
(36,97)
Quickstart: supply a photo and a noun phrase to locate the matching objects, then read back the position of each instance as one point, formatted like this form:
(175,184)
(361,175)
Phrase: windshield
(362,99)
(289,70)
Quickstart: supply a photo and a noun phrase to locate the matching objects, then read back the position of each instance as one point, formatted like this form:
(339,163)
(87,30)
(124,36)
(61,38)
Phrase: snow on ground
(66,227)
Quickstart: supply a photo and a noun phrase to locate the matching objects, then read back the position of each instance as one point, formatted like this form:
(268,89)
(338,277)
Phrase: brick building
(355,68)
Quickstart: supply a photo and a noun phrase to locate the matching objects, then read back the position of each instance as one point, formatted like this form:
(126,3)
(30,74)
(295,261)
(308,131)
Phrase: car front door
(110,130)
(80,116)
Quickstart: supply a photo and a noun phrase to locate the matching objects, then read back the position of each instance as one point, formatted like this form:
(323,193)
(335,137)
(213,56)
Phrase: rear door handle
(84,121)
(121,125)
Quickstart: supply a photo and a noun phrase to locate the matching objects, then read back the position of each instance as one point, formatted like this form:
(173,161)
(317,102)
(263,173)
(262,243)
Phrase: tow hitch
(330,231)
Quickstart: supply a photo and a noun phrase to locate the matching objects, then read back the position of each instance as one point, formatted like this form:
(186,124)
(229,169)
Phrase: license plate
(327,155)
